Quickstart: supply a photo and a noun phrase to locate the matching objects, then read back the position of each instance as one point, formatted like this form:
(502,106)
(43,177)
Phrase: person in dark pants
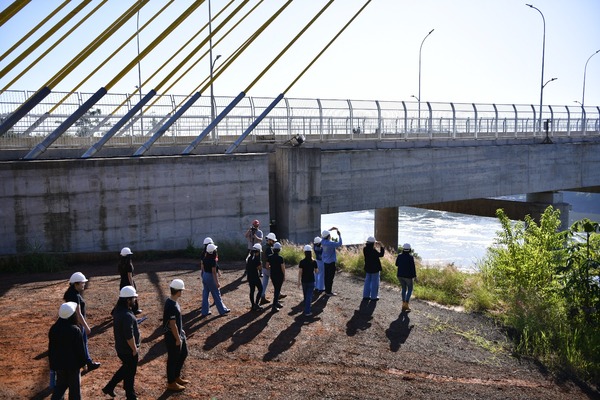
(307,269)
(125,268)
(127,344)
(253,268)
(276,265)
(372,269)
(407,274)
(74,294)
(66,353)
(175,339)
(330,258)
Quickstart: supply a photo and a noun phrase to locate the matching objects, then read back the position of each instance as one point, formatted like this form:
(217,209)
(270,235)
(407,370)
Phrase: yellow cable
(11,10)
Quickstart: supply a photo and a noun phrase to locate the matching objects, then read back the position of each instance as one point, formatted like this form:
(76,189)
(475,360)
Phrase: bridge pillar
(386,226)
(540,201)
(297,193)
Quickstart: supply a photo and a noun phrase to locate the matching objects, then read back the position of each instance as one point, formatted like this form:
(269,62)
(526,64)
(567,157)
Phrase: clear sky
(481,51)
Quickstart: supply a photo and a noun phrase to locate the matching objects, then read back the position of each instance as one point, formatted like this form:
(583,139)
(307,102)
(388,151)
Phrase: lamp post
(546,125)
(584,72)
(543,54)
(419,97)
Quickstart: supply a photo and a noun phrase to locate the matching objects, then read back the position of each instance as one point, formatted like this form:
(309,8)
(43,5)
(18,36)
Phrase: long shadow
(361,320)
(247,334)
(102,327)
(43,394)
(399,331)
(229,329)
(286,339)
(231,286)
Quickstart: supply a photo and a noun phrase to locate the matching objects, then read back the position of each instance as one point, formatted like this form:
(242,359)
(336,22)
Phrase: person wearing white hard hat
(210,282)
(127,344)
(320,275)
(125,269)
(276,265)
(75,294)
(66,352)
(175,338)
(407,274)
(267,250)
(253,268)
(330,258)
(307,269)
(372,269)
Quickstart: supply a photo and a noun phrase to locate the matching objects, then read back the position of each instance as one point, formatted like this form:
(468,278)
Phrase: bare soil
(349,349)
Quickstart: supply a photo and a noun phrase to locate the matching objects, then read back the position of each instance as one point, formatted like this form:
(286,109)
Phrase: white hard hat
(325,233)
(126,251)
(371,239)
(177,284)
(77,277)
(277,246)
(211,248)
(406,247)
(317,240)
(128,291)
(257,247)
(67,309)
(307,248)
(271,236)
(208,241)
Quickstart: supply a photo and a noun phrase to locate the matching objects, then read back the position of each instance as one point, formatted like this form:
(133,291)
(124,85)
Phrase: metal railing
(324,119)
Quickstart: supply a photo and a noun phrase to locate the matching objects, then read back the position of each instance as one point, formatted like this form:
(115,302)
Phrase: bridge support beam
(386,226)
(297,210)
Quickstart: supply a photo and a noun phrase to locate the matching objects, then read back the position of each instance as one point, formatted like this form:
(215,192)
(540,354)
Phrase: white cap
(277,246)
(67,309)
(325,233)
(317,240)
(371,239)
(207,241)
(177,284)
(126,251)
(257,247)
(307,248)
(271,236)
(77,277)
(128,291)
(406,247)
(211,248)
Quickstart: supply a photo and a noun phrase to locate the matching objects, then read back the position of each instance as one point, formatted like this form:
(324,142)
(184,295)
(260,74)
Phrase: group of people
(68,336)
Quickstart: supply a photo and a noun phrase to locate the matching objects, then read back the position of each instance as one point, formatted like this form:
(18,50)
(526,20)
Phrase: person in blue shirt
(330,258)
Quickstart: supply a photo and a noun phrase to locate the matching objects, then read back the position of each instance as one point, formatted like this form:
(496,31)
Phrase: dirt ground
(349,349)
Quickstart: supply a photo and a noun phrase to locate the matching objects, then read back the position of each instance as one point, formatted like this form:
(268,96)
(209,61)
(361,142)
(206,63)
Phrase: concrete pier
(386,226)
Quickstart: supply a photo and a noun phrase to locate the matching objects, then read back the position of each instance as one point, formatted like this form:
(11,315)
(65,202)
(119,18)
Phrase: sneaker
(275,309)
(138,311)
(92,366)
(308,314)
(109,392)
(282,296)
(264,300)
(331,294)
(206,315)
(279,305)
(182,381)
(227,311)
(257,307)
(175,387)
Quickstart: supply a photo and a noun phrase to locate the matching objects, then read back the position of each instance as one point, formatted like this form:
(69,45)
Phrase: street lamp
(543,54)
(419,97)
(584,72)
(546,125)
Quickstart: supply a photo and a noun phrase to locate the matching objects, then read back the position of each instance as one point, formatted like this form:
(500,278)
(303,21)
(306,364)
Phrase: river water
(441,237)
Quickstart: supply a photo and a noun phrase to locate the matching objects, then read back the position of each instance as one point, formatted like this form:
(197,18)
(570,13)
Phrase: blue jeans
(307,289)
(320,276)
(407,288)
(210,286)
(265,281)
(371,288)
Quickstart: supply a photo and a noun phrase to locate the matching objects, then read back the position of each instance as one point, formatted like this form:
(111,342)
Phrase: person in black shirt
(406,274)
(175,339)
(307,268)
(372,269)
(210,282)
(125,268)
(66,352)
(276,265)
(127,344)
(74,294)
(253,268)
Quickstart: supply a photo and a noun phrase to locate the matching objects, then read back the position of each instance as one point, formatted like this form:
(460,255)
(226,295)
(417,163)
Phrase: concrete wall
(146,203)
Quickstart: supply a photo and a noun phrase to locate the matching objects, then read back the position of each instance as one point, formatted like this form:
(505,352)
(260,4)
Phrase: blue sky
(481,51)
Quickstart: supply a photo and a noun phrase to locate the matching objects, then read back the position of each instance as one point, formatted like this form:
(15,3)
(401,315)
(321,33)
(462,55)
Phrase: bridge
(310,157)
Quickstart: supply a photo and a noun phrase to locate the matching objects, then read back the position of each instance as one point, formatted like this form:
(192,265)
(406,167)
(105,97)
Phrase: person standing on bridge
(372,269)
(330,258)
(407,274)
